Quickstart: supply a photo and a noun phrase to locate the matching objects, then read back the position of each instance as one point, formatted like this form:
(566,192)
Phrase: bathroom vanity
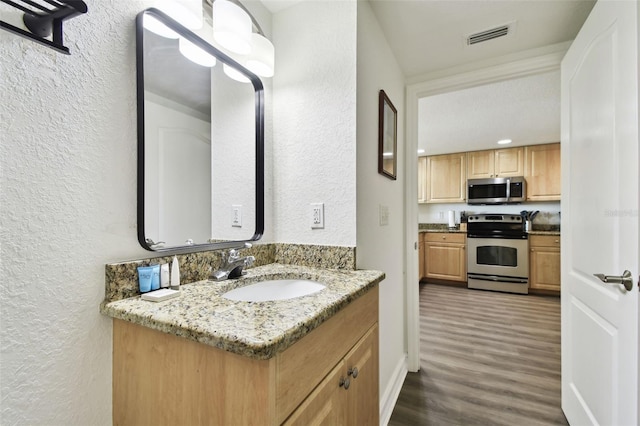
(203,359)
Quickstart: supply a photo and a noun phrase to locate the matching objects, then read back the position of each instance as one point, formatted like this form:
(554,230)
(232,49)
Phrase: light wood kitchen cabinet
(542,172)
(495,163)
(421,255)
(422,179)
(446,178)
(445,256)
(160,378)
(544,262)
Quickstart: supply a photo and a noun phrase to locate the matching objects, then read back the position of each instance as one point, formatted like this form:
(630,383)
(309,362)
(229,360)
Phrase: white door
(600,218)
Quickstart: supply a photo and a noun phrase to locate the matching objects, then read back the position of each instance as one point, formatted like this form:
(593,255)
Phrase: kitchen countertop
(254,329)
(534,232)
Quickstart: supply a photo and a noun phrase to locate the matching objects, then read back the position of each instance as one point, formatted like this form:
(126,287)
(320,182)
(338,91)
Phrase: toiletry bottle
(164,275)
(175,274)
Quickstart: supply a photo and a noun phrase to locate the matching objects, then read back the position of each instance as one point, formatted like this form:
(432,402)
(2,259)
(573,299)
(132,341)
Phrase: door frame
(509,67)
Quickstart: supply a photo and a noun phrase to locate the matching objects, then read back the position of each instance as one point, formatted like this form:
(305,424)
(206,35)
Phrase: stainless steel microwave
(496,190)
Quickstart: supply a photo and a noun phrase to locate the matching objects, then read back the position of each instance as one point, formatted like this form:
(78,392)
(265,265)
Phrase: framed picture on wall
(387,136)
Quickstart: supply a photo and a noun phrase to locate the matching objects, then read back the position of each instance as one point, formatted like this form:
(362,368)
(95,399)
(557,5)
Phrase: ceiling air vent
(488,34)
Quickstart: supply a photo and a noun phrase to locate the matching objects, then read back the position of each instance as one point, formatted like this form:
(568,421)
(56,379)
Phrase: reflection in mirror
(200,147)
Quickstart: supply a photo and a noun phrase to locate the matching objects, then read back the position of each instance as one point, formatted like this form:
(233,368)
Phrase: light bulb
(261,58)
(195,54)
(232,27)
(234,74)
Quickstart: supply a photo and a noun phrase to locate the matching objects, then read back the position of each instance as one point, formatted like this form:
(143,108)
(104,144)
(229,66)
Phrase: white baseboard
(391,393)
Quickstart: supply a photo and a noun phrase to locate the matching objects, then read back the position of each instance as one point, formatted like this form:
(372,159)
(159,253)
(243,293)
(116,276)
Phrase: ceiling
(525,110)
(428,37)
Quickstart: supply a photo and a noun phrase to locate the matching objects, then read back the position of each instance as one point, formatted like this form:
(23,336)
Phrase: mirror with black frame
(200,142)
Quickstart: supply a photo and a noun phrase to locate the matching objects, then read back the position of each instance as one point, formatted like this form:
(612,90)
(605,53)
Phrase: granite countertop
(443,230)
(254,329)
(535,232)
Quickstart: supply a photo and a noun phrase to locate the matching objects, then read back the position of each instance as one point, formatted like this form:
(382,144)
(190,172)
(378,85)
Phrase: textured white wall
(314,133)
(67,206)
(381,247)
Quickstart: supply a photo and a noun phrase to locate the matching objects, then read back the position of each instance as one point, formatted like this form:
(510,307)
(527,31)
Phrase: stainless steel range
(497,253)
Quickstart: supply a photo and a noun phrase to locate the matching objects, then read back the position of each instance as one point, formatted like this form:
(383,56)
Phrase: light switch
(317,215)
(384,215)
(236,216)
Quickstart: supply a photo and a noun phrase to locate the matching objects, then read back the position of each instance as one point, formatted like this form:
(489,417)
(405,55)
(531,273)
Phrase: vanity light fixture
(195,53)
(188,13)
(232,26)
(261,59)
(233,29)
(504,141)
(234,74)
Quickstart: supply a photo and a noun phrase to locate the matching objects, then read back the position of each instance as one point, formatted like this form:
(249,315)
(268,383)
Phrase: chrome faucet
(232,265)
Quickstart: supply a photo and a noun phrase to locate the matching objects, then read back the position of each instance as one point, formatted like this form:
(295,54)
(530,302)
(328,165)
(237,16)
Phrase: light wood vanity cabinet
(495,163)
(445,256)
(349,394)
(163,379)
(544,262)
(446,178)
(542,172)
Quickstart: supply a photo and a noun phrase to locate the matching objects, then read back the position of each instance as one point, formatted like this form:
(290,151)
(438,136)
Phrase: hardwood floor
(487,358)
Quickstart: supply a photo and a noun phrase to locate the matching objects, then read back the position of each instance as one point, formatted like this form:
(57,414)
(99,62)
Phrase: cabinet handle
(532,250)
(444,237)
(353,372)
(557,241)
(345,383)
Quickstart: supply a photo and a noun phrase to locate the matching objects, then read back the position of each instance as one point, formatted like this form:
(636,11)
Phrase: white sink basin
(265,291)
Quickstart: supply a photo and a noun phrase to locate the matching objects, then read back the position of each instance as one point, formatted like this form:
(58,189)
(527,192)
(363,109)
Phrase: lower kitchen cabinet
(421,258)
(544,262)
(163,379)
(445,256)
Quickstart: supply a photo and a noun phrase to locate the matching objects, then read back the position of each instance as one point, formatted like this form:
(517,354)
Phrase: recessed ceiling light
(504,141)
(387,154)
(421,151)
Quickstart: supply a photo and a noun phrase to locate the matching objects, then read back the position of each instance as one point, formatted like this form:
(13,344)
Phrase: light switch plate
(236,216)
(384,215)
(317,215)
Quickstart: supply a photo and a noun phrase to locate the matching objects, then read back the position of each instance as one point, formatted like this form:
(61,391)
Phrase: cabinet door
(509,162)
(542,172)
(544,262)
(446,261)
(446,178)
(480,164)
(362,370)
(421,256)
(422,179)
(326,405)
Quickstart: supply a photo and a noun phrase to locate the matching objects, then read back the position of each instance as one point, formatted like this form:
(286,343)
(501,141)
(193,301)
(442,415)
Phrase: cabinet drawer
(544,240)
(305,364)
(445,237)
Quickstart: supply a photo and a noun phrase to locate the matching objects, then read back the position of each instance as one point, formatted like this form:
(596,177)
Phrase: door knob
(626,279)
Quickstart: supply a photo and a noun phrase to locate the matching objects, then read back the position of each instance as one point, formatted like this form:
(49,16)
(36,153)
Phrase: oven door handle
(496,278)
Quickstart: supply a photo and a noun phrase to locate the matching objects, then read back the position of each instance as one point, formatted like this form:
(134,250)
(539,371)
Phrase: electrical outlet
(317,215)
(383,212)
(236,216)
(441,215)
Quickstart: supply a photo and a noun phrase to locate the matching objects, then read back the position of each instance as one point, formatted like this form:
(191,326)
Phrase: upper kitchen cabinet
(495,163)
(445,178)
(542,172)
